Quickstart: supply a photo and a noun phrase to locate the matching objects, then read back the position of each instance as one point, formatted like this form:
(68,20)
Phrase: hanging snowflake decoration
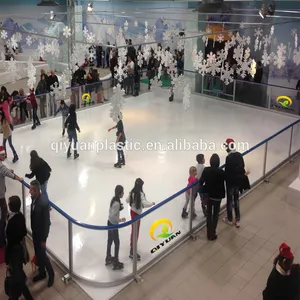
(256,44)
(213,65)
(186,97)
(12,69)
(136,23)
(227,74)
(126,26)
(281,49)
(272,30)
(90,38)
(28,40)
(296,41)
(41,50)
(117,101)
(155,83)
(180,45)
(296,57)
(279,61)
(244,68)
(220,38)
(266,41)
(242,25)
(265,59)
(4,35)
(67,32)
(140,59)
(238,54)
(258,32)
(293,31)
(121,72)
(85,32)
(31,73)
(14,42)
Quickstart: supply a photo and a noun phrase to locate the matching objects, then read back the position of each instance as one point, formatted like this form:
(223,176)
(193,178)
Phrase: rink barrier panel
(191,233)
(193,228)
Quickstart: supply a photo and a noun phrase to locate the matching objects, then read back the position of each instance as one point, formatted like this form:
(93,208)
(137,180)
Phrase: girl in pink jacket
(5,102)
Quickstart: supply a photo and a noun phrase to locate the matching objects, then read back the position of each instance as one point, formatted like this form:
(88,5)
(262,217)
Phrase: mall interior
(176,84)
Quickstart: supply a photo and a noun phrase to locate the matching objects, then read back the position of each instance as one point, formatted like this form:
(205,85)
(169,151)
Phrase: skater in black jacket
(72,126)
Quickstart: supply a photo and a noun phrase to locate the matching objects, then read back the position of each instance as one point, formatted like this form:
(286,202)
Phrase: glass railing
(82,247)
(274,97)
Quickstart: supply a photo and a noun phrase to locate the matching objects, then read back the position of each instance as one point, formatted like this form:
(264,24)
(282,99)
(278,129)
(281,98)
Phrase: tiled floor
(39,290)
(237,265)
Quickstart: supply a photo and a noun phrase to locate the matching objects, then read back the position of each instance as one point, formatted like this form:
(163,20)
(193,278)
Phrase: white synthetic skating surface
(83,188)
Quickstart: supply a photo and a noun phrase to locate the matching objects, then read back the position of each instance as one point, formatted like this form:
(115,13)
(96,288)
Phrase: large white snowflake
(293,31)
(140,59)
(4,35)
(242,25)
(90,38)
(186,97)
(41,49)
(238,53)
(267,40)
(31,73)
(180,44)
(136,23)
(13,70)
(227,74)
(155,83)
(14,42)
(28,40)
(279,61)
(244,67)
(281,49)
(117,101)
(296,57)
(67,32)
(265,58)
(258,32)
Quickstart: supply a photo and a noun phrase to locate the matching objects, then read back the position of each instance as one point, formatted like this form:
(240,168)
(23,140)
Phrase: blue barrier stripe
(162,203)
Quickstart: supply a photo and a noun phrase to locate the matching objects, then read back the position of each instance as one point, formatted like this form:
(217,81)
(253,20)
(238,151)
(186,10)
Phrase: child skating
(113,235)
(31,98)
(64,109)
(72,126)
(7,136)
(192,179)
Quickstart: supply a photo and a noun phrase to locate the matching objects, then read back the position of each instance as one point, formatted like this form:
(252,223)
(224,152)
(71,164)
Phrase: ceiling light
(52,15)
(90,7)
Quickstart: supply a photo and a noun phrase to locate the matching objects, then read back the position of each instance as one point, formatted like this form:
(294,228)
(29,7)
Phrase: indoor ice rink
(84,187)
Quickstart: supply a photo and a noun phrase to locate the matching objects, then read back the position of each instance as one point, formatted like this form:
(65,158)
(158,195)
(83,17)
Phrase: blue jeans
(44,190)
(72,134)
(233,198)
(10,145)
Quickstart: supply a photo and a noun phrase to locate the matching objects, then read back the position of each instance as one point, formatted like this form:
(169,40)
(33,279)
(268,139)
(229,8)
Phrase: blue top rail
(162,203)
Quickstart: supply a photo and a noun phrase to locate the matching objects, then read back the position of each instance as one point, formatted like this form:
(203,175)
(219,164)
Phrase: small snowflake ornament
(296,57)
(14,42)
(126,26)
(136,23)
(117,101)
(186,97)
(293,31)
(258,32)
(28,40)
(242,25)
(4,35)
(85,31)
(220,38)
(265,59)
(67,32)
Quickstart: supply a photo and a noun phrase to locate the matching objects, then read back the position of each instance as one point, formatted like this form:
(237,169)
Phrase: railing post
(202,84)
(270,98)
(234,89)
(137,278)
(24,200)
(265,162)
(291,141)
(68,277)
(192,213)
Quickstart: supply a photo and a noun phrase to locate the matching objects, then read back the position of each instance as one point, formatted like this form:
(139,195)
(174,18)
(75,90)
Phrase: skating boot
(33,127)
(137,256)
(15,159)
(184,214)
(39,123)
(63,132)
(109,260)
(118,265)
(171,98)
(117,165)
(76,155)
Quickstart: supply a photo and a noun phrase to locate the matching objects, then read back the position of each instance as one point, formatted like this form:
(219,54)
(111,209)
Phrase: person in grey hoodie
(64,109)
(113,235)
(4,172)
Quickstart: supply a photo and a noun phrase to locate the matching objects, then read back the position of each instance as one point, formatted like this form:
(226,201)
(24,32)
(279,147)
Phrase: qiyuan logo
(86,98)
(284,101)
(164,228)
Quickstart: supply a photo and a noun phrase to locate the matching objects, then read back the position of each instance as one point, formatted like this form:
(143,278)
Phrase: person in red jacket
(34,105)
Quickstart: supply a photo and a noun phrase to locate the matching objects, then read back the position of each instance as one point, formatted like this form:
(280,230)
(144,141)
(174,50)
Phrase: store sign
(165,232)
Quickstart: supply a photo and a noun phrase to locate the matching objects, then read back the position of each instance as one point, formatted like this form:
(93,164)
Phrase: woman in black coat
(212,181)
(14,254)
(41,170)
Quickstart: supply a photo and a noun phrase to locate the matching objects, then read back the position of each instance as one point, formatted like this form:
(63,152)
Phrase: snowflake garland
(117,102)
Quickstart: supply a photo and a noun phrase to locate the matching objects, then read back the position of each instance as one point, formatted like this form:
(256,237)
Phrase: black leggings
(113,236)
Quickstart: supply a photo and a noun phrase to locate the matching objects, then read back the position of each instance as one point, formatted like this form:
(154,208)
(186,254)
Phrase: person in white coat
(137,201)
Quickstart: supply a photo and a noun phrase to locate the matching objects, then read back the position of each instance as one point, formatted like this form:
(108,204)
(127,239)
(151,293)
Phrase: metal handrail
(162,203)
